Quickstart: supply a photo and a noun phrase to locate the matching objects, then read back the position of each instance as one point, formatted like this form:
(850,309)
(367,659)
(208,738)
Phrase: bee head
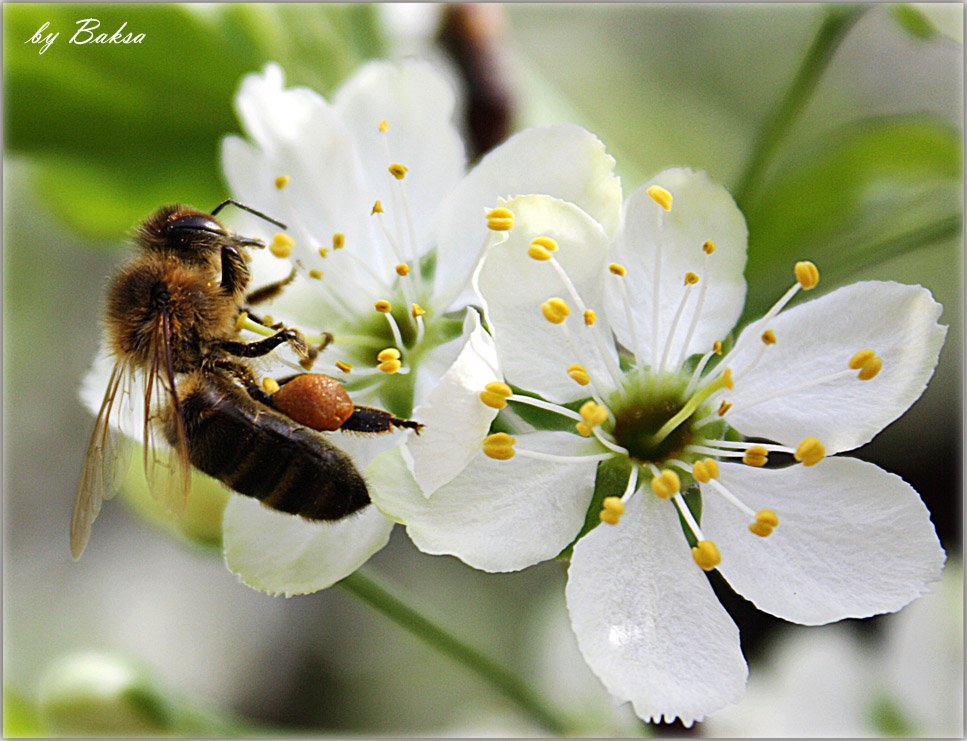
(192,235)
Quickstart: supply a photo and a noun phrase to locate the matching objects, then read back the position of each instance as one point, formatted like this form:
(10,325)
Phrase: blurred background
(868,184)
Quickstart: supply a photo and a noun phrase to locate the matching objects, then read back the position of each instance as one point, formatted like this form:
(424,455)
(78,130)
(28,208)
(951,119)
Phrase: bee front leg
(267,293)
(264,347)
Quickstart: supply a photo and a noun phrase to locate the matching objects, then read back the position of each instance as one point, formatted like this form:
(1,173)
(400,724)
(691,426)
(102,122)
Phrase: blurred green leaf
(117,129)
(611,480)
(20,718)
(913,21)
(867,192)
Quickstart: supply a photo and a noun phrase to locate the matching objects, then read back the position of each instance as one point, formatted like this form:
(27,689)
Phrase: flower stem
(510,686)
(836,24)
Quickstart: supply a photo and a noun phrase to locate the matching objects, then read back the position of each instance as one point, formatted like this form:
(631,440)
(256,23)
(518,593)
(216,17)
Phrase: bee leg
(266,293)
(264,347)
(243,375)
(313,351)
(376,421)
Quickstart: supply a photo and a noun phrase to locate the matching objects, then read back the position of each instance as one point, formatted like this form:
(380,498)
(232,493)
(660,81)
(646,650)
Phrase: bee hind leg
(369,420)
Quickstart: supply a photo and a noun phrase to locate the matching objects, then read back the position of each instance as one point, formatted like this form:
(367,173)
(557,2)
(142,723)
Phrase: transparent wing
(99,473)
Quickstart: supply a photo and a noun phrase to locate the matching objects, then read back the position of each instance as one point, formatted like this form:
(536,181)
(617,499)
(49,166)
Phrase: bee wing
(166,462)
(99,474)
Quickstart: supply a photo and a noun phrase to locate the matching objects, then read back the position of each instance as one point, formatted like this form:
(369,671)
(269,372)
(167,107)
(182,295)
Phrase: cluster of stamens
(674,435)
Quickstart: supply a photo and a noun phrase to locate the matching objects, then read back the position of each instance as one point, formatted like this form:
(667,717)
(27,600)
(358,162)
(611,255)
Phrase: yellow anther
(579,374)
(241,320)
(807,274)
(315,274)
(667,484)
(499,446)
(593,414)
(706,555)
(727,381)
(660,196)
(867,362)
(416,310)
(390,367)
(402,270)
(705,471)
(708,247)
(611,510)
(338,241)
(539,253)
(390,353)
(690,279)
(756,455)
(724,407)
(769,337)
(495,395)
(555,310)
(717,347)
(383,126)
(500,219)
(383,306)
(765,522)
(590,317)
(546,242)
(281,245)
(281,181)
(583,428)
(617,269)
(270,385)
(323,252)
(609,518)
(809,452)
(398,171)
(344,367)
(377,208)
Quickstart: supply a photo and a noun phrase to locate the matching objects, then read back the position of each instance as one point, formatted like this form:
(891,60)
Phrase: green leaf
(610,481)
(20,719)
(116,130)
(867,192)
(913,21)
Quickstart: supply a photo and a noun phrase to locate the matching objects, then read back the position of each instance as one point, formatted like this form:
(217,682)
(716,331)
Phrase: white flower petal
(563,161)
(534,353)
(285,554)
(852,541)
(818,338)
(647,620)
(496,515)
(418,105)
(455,419)
(672,242)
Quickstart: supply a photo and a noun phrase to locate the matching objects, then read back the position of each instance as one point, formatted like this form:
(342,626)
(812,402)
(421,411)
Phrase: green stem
(511,687)
(836,24)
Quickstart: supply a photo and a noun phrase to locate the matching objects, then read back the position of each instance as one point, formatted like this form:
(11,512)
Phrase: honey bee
(171,319)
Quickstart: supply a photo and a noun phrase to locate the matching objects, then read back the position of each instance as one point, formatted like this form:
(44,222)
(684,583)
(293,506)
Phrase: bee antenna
(251,210)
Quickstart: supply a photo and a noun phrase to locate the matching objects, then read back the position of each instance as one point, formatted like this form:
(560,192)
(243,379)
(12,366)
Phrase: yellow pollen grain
(281,181)
(666,485)
(708,247)
(315,274)
(270,385)
(344,367)
(377,208)
(402,270)
(323,252)
(390,367)
(555,310)
(724,407)
(499,446)
(690,279)
(383,126)
(495,395)
(579,374)
(660,196)
(706,555)
(617,269)
(717,347)
(756,456)
(398,171)
(807,274)
(590,317)
(417,310)
(383,306)
(500,219)
(705,471)
(281,245)
(769,337)
(810,451)
(240,321)
(868,363)
(390,353)
(338,241)
(546,242)
(267,320)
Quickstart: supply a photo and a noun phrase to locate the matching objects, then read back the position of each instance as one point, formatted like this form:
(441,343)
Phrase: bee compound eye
(195,223)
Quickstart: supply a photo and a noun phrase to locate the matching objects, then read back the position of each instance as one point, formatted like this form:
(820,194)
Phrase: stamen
(810,452)
(592,415)
(579,374)
(389,360)
(377,208)
(344,367)
(281,181)
(667,484)
(546,405)
(270,385)
(590,317)
(756,456)
(402,270)
(383,306)
(555,310)
(708,248)
(807,274)
(541,248)
(724,407)
(629,314)
(706,470)
(495,395)
(690,280)
(769,337)
(724,381)
(499,446)
(315,274)
(617,269)
(612,509)
(661,196)
(765,521)
(383,126)
(500,219)
(867,362)
(706,555)
(338,241)
(281,245)
(697,373)
(417,311)
(398,171)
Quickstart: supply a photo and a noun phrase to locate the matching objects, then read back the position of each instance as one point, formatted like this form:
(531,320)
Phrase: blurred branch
(376,596)
(836,24)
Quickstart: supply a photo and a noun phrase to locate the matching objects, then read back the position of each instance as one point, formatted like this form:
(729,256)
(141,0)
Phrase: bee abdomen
(263,454)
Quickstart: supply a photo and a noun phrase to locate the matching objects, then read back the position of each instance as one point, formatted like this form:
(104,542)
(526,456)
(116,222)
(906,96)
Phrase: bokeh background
(868,184)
